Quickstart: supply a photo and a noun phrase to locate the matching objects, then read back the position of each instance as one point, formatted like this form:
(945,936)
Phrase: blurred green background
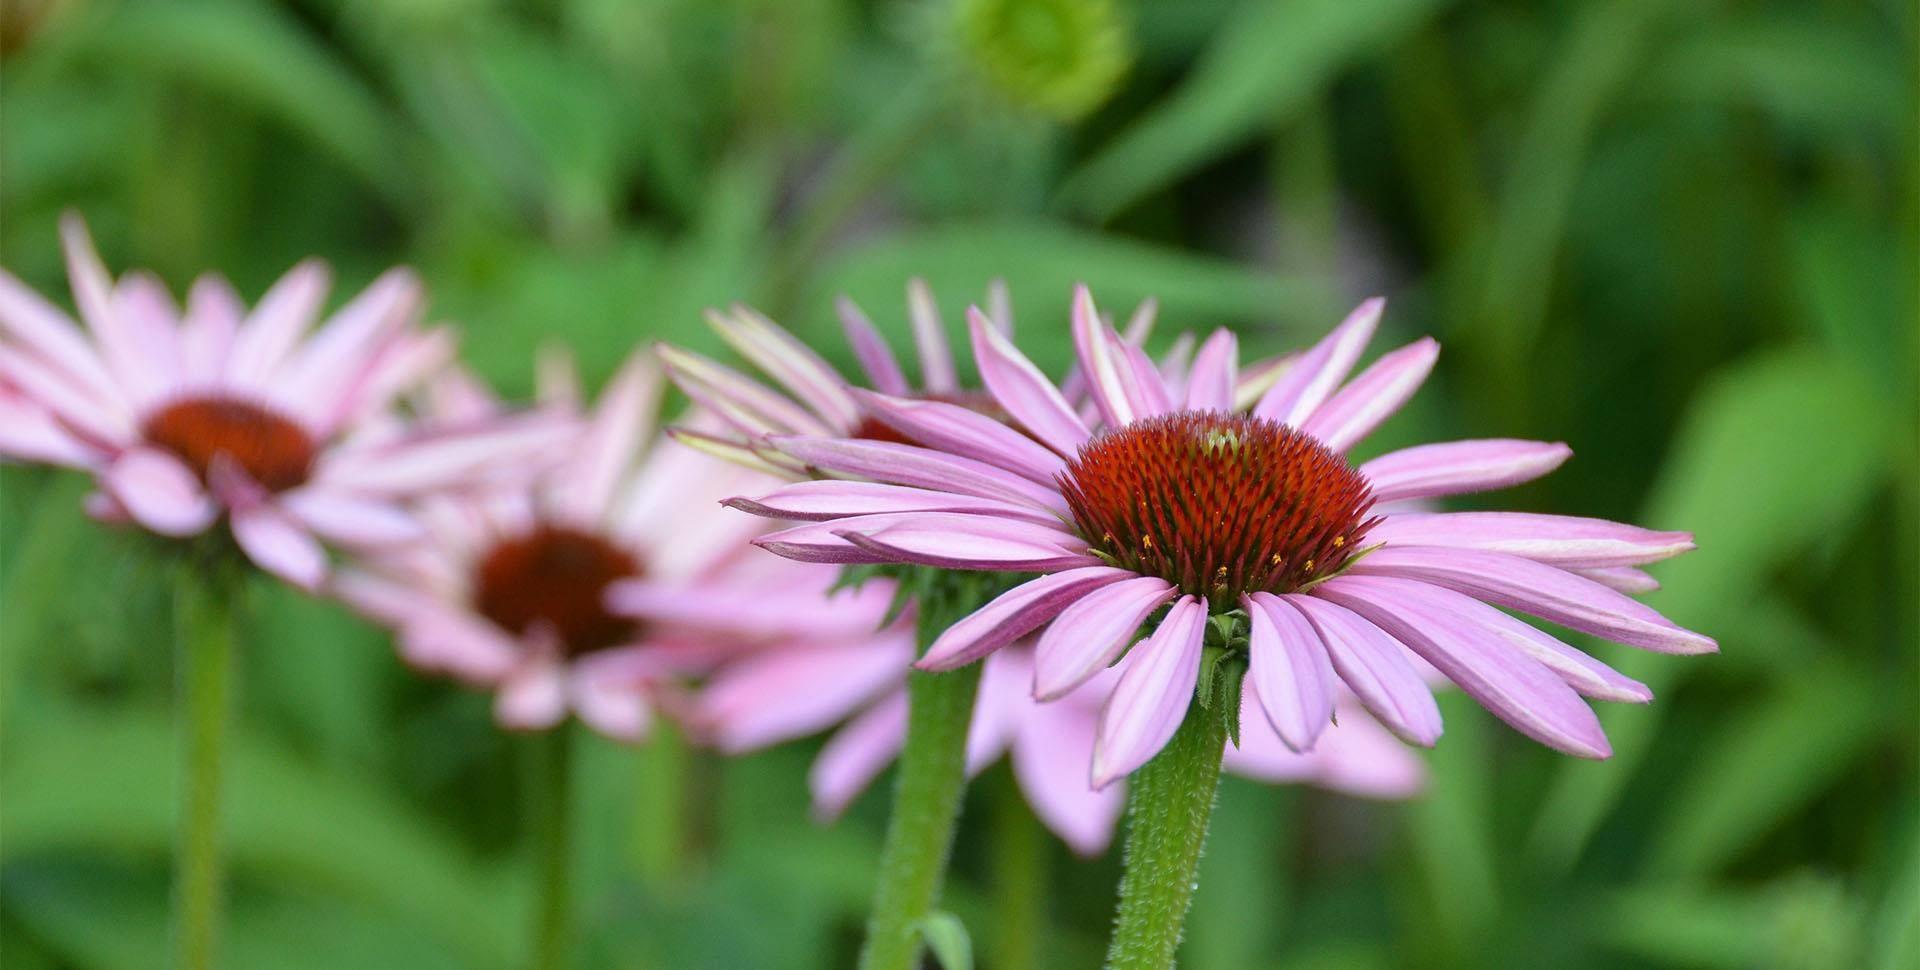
(1678,235)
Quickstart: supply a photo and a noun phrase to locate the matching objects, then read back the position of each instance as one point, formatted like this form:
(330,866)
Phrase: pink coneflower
(1188,505)
(186,417)
(593,586)
(1051,748)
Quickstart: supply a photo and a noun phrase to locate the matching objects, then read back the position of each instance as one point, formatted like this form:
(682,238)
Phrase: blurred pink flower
(600,582)
(1051,746)
(1187,503)
(184,417)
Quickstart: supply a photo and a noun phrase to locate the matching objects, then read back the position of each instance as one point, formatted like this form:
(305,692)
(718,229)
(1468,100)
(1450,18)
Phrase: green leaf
(947,939)
(1802,442)
(1766,763)
(91,781)
(1271,59)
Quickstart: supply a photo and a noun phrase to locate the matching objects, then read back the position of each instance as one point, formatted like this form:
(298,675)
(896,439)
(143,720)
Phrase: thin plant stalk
(926,796)
(552,807)
(1020,860)
(1169,806)
(206,604)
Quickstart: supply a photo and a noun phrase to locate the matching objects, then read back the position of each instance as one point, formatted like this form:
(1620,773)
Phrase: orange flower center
(268,446)
(1218,504)
(556,576)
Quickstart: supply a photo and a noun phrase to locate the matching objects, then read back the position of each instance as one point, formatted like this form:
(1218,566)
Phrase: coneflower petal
(1374,396)
(1088,635)
(964,432)
(1289,667)
(1019,386)
(1014,614)
(160,492)
(1153,694)
(276,324)
(1567,541)
(1313,377)
(1620,579)
(856,754)
(279,546)
(976,542)
(885,461)
(1051,754)
(1099,362)
(1459,467)
(1542,590)
(876,358)
(1215,373)
(930,338)
(1376,668)
(818,500)
(784,358)
(1515,687)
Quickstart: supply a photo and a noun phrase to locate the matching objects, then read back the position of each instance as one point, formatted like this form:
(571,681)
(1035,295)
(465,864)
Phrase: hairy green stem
(205,608)
(1169,804)
(926,796)
(552,806)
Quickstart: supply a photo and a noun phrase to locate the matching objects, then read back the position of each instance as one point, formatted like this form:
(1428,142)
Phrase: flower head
(1171,504)
(184,418)
(599,583)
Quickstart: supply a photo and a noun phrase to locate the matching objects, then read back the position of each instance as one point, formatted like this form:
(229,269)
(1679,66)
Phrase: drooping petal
(1622,579)
(753,610)
(790,692)
(738,399)
(279,545)
(1052,759)
(1459,467)
(160,492)
(885,461)
(822,499)
(820,542)
(1515,687)
(1313,377)
(1153,694)
(856,754)
(533,698)
(351,519)
(930,337)
(621,422)
(957,430)
(31,433)
(1562,540)
(1089,634)
(608,702)
(801,371)
(1014,614)
(277,322)
(1288,664)
(1215,373)
(1531,587)
(1358,408)
(876,358)
(1099,362)
(959,541)
(1376,668)
(1026,393)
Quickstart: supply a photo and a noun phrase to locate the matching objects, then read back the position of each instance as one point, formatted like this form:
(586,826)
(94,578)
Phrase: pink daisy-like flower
(595,585)
(185,417)
(1184,503)
(1051,747)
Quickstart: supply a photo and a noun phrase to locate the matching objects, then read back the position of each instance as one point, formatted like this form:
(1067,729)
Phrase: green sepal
(947,940)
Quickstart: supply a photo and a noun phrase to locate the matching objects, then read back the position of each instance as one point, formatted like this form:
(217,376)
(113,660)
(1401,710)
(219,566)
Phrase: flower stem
(205,607)
(1169,804)
(926,798)
(552,806)
(1020,861)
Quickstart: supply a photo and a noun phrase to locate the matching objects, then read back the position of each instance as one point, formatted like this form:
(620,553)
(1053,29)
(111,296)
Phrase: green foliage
(1680,237)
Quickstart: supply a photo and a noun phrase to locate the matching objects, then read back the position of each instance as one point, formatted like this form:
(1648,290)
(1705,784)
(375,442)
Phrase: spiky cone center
(1218,504)
(556,577)
(271,448)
